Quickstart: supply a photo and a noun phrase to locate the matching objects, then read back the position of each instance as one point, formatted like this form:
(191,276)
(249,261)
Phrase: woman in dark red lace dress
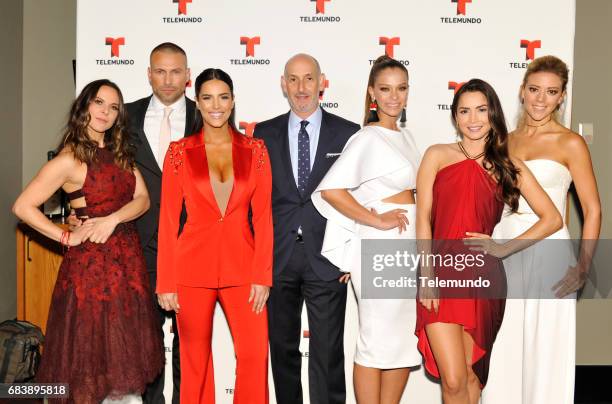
(461,191)
(101,337)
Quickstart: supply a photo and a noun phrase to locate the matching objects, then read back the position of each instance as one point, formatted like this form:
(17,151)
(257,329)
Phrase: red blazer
(215,251)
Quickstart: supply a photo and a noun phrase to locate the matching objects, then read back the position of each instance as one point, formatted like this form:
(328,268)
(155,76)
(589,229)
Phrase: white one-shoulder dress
(375,164)
(534,358)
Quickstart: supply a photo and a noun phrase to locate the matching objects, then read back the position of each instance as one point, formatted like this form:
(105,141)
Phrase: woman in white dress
(534,358)
(369,194)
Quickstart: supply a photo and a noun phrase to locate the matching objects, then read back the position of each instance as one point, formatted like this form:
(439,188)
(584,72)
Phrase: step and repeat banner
(443,43)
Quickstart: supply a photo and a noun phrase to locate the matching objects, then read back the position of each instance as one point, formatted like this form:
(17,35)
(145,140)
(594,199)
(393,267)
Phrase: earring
(373,116)
(403,118)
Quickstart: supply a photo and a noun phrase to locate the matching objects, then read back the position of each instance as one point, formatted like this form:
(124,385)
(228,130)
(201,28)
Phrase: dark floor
(593,385)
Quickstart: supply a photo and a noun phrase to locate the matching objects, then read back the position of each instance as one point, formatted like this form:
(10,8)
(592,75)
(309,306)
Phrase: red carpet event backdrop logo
(182,6)
(453,85)
(250,44)
(247,127)
(319,13)
(320,5)
(114,43)
(389,44)
(461,10)
(461,6)
(530,47)
(249,52)
(182,13)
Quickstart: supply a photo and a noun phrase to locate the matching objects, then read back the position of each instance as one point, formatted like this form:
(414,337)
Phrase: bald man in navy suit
(303,144)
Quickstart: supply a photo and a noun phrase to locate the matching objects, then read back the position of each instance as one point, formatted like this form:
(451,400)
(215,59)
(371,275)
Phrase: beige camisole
(222,191)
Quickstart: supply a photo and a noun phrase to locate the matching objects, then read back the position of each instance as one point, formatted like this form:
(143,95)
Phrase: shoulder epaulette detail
(259,150)
(176,151)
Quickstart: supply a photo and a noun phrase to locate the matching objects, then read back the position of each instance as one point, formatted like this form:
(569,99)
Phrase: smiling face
(302,83)
(215,102)
(390,91)
(103,111)
(542,95)
(473,115)
(168,75)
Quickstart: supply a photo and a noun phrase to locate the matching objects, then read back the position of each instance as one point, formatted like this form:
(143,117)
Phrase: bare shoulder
(571,140)
(438,154)
(439,150)
(512,136)
(443,151)
(65,159)
(518,163)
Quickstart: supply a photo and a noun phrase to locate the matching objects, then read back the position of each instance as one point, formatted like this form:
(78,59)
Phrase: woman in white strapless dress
(534,357)
(368,194)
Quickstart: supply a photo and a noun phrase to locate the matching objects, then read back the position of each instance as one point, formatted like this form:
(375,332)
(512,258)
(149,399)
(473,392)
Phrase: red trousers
(250,335)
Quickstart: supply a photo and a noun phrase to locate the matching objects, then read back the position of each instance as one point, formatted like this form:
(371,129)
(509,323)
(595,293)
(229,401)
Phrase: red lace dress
(464,199)
(102,335)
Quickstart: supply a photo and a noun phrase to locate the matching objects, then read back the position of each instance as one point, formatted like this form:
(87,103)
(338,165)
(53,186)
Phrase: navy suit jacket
(290,209)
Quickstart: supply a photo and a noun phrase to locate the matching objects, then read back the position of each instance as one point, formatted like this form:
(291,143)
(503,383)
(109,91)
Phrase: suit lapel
(241,163)
(198,167)
(189,117)
(144,154)
(326,138)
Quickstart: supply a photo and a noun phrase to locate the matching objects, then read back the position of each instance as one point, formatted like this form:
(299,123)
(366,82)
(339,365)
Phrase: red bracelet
(65,238)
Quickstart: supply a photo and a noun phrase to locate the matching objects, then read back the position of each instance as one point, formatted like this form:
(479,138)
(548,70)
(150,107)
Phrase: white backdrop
(442,42)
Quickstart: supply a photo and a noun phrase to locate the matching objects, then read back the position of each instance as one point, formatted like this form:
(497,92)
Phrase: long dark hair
(496,158)
(213,74)
(381,63)
(76,136)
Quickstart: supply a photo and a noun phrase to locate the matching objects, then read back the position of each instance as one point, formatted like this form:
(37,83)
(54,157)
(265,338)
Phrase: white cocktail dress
(375,164)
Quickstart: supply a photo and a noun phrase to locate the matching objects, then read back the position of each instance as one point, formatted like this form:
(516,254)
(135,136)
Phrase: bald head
(302,83)
(302,59)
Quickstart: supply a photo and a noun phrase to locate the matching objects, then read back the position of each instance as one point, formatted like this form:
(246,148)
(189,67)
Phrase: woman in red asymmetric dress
(219,174)
(101,337)
(461,191)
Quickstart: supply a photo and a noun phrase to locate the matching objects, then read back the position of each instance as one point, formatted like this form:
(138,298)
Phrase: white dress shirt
(153,120)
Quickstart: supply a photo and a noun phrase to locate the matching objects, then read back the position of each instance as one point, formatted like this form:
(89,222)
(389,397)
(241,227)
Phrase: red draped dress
(465,200)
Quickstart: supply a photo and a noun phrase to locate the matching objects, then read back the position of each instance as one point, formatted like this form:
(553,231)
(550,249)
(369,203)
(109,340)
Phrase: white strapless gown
(534,356)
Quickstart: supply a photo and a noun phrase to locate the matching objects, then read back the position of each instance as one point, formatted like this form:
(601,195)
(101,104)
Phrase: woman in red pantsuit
(462,188)
(219,174)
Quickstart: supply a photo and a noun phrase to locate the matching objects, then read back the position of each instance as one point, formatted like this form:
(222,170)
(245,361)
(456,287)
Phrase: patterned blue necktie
(303,157)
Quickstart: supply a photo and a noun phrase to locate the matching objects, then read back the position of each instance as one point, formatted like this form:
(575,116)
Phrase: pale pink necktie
(164,136)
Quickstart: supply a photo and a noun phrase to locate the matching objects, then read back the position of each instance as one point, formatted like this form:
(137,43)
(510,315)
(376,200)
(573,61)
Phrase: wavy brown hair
(381,63)
(76,137)
(496,158)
